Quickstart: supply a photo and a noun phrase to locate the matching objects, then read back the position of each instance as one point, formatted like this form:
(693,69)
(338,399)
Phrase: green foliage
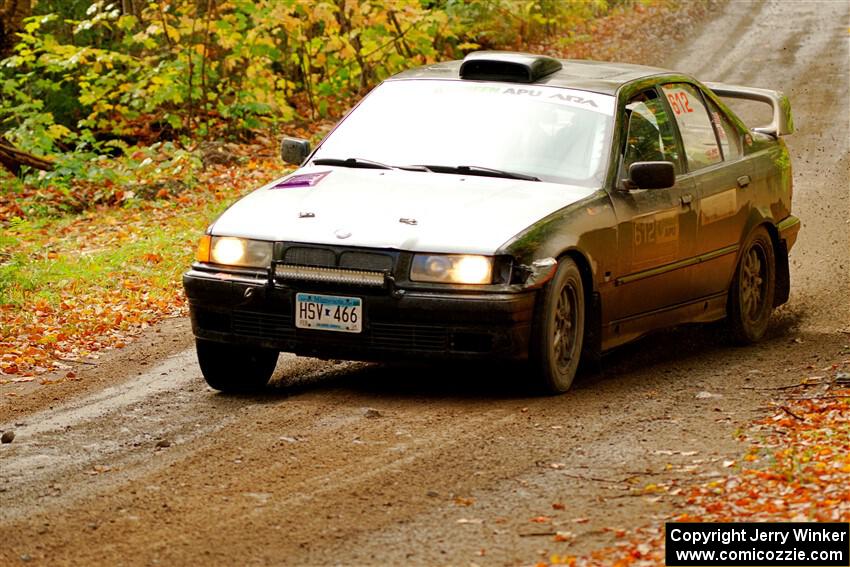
(81,179)
(87,79)
(501,24)
(232,65)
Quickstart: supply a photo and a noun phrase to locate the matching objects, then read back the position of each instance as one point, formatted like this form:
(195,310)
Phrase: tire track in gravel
(117,430)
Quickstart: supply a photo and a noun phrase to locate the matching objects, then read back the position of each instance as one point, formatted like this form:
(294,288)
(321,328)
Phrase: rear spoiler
(782,124)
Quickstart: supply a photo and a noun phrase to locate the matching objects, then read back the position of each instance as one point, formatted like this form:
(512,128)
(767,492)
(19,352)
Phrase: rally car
(506,206)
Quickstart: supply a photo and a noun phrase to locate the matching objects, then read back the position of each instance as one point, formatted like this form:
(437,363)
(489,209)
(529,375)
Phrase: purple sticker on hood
(302,180)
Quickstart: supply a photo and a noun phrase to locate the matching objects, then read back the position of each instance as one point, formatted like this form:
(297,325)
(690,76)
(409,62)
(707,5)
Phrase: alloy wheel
(564,339)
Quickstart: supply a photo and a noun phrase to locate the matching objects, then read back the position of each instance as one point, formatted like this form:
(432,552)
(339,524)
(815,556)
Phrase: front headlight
(452,268)
(232,251)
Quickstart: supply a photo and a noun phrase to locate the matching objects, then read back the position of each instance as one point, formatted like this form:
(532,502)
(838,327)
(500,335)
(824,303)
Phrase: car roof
(595,76)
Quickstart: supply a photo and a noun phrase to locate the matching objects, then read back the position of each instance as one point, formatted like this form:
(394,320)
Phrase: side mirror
(651,175)
(294,150)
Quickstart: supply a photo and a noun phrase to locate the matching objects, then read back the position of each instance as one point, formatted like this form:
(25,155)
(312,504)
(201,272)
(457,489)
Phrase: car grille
(341,266)
(366,261)
(389,336)
(328,258)
(304,256)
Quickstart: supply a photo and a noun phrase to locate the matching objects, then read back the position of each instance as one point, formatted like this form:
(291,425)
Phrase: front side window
(698,137)
(650,135)
(554,134)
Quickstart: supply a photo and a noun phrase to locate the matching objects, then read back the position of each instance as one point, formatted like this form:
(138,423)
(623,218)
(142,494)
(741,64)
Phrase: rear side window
(730,138)
(698,135)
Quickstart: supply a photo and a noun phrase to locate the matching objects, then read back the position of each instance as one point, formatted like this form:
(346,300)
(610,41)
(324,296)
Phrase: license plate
(328,312)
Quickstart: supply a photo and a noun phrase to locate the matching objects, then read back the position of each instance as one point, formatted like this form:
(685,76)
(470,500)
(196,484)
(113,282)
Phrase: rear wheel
(235,368)
(559,330)
(753,289)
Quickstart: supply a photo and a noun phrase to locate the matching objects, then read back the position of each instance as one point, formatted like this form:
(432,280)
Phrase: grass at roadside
(75,285)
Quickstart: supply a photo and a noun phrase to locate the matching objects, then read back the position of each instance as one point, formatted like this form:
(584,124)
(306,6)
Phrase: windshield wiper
(461,169)
(352,162)
(366,164)
(479,170)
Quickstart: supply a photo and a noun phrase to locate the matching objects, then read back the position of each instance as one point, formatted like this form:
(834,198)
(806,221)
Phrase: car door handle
(686,199)
(743,181)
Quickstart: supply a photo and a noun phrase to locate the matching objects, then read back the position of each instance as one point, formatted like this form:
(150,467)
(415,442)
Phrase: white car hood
(363,207)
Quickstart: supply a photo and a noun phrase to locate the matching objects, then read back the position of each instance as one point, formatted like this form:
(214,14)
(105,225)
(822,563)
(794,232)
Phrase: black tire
(558,334)
(753,288)
(235,368)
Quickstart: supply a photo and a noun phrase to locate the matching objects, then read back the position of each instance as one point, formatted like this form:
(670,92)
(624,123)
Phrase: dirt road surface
(350,463)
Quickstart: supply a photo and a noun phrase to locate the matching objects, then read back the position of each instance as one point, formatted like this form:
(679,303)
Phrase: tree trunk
(12,158)
(12,15)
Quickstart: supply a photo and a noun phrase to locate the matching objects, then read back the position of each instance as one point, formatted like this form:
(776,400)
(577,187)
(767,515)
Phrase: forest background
(83,82)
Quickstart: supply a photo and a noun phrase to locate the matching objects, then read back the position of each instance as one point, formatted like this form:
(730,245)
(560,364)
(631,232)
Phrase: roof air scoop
(507,66)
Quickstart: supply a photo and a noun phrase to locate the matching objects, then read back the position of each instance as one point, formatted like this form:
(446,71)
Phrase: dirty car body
(504,206)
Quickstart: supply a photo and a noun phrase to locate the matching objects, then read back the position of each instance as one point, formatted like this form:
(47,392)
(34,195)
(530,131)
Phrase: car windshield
(557,135)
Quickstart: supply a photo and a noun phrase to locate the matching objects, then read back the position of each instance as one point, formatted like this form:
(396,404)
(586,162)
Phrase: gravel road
(350,463)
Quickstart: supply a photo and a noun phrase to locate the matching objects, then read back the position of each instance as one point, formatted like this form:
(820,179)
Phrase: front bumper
(252,311)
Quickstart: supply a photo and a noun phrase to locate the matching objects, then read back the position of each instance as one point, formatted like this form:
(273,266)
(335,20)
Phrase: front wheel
(235,368)
(753,289)
(559,330)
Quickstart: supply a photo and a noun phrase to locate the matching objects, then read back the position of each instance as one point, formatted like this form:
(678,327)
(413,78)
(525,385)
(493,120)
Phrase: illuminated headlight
(454,268)
(231,251)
